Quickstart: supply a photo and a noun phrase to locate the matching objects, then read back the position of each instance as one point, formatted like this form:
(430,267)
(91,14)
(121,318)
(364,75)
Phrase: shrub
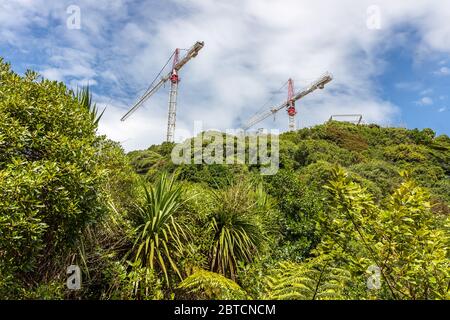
(310,151)
(299,204)
(346,139)
(384,174)
(160,238)
(405,153)
(238,235)
(50,177)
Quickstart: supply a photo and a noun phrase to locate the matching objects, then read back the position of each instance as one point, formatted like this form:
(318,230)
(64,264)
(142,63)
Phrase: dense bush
(346,198)
(402,238)
(310,151)
(300,207)
(49,175)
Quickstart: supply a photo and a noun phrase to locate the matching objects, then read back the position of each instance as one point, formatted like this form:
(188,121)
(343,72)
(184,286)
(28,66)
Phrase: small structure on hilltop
(352,118)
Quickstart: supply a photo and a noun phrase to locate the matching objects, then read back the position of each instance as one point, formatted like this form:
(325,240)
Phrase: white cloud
(444,71)
(426,92)
(425,101)
(442,109)
(77,71)
(251,48)
(409,86)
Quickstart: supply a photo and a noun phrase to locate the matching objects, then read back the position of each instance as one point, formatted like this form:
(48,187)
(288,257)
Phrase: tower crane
(177,64)
(289,104)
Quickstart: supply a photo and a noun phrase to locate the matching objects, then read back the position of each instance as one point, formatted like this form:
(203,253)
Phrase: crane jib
(192,53)
(319,84)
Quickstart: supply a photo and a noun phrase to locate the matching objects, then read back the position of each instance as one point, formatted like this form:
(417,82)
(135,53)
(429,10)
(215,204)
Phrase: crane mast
(172,112)
(177,64)
(290,103)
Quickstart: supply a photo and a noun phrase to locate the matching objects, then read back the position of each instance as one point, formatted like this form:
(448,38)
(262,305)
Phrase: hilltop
(374,156)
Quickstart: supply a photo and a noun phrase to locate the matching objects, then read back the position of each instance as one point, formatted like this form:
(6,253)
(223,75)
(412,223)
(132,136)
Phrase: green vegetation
(313,280)
(346,201)
(210,285)
(159,235)
(237,235)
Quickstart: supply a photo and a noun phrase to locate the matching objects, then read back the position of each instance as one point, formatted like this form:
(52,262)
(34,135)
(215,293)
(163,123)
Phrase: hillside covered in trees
(354,212)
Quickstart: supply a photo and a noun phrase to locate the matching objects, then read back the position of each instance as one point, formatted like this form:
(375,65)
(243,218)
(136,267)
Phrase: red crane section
(291,102)
(174,76)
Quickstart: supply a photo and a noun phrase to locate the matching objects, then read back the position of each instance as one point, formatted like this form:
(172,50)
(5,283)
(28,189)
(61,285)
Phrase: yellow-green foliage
(136,283)
(204,284)
(314,280)
(404,239)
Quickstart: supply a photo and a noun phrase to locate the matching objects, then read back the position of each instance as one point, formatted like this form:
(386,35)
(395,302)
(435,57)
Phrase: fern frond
(210,285)
(314,280)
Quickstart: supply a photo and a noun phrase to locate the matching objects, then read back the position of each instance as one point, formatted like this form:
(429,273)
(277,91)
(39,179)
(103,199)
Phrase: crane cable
(160,72)
(264,106)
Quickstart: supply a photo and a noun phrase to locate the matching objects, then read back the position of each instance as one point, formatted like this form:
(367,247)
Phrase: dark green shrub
(50,177)
(383,174)
(310,151)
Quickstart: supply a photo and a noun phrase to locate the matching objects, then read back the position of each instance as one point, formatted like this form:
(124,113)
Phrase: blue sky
(392,65)
(419,86)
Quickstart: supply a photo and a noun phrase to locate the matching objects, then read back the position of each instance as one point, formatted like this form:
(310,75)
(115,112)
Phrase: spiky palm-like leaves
(316,280)
(160,237)
(211,285)
(237,233)
(84,97)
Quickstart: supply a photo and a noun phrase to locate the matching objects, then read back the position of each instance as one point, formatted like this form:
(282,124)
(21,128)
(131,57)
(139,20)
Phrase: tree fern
(315,280)
(210,285)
